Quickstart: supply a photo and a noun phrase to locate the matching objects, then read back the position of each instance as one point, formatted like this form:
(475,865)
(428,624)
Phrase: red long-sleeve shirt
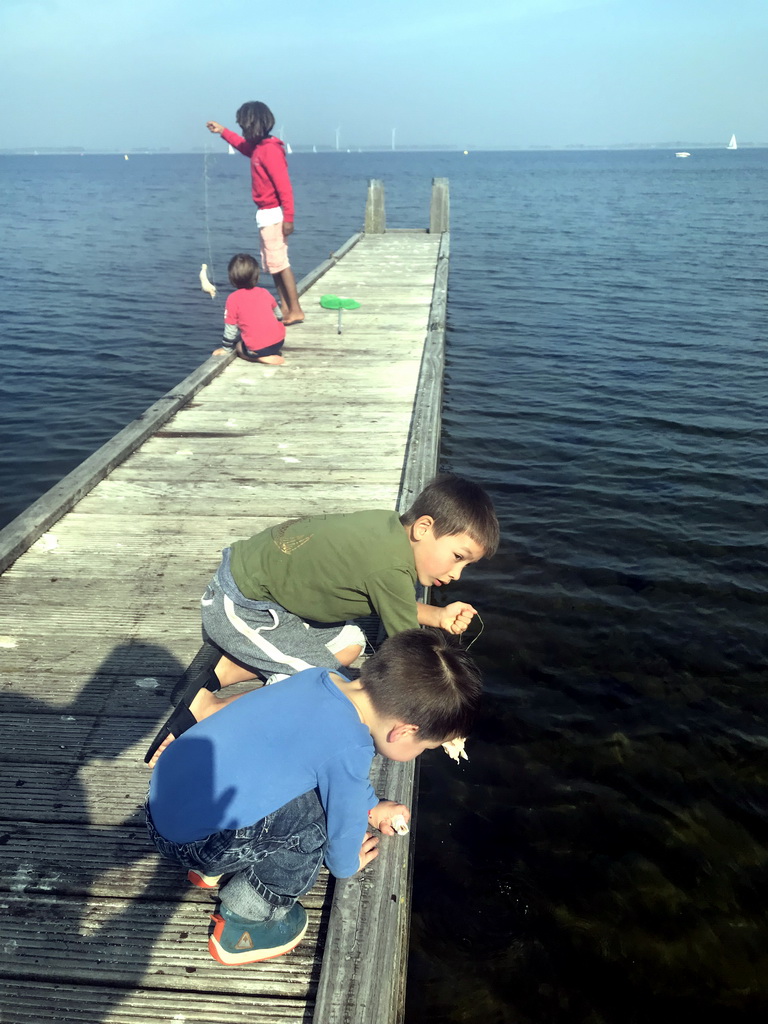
(270,183)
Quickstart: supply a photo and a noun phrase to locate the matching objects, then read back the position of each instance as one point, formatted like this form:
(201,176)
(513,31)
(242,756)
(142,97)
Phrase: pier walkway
(100,616)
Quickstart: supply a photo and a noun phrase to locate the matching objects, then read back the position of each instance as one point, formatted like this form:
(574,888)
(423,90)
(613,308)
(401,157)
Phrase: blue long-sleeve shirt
(255,755)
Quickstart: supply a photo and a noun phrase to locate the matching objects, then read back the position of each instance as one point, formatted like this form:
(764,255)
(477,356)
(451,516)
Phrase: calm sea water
(602,858)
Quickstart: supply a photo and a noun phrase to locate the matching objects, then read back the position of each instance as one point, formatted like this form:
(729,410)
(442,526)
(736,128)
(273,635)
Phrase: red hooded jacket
(270,184)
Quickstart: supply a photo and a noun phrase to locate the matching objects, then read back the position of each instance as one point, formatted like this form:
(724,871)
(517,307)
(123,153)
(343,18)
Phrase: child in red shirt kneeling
(250,325)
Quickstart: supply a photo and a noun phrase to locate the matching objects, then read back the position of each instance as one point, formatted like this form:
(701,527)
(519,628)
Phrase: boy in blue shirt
(265,791)
(281,601)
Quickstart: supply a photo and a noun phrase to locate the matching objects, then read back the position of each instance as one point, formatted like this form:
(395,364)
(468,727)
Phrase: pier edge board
(28,526)
(369,927)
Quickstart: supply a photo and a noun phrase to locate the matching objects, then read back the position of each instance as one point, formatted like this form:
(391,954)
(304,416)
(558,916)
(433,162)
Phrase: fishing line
(482,627)
(206,180)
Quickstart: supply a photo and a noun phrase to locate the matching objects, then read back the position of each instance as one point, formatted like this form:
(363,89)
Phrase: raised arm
(234,140)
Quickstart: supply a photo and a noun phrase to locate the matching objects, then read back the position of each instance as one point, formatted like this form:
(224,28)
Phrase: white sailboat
(231,150)
(682,154)
(288,149)
(732,143)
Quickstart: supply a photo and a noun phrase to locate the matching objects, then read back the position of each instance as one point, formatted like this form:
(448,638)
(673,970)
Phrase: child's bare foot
(153,760)
(273,360)
(203,704)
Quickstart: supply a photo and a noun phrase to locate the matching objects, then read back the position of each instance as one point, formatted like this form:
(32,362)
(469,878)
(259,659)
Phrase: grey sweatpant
(266,637)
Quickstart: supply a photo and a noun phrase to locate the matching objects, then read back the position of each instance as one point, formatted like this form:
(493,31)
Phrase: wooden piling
(375,215)
(439,210)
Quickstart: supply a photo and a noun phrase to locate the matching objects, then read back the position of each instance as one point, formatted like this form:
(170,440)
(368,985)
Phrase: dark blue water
(603,856)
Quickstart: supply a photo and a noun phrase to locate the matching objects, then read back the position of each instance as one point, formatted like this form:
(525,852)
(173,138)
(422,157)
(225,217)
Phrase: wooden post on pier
(375,215)
(439,209)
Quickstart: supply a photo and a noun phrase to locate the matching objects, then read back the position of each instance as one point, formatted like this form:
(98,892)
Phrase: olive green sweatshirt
(333,568)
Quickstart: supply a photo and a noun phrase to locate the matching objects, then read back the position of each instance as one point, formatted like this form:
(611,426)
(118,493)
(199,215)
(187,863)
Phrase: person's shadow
(88,901)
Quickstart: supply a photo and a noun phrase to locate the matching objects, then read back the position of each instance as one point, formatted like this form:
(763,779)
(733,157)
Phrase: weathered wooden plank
(48,739)
(50,691)
(32,1002)
(76,627)
(403,359)
(83,859)
(310,279)
(63,793)
(335,417)
(141,942)
(327,350)
(34,650)
(239,386)
(304,397)
(105,546)
(369,329)
(315,445)
(288,499)
(202,465)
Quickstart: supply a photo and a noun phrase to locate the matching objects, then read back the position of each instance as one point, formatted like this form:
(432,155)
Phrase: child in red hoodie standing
(273,195)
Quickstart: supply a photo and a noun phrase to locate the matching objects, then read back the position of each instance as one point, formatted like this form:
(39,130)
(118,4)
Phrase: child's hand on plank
(368,851)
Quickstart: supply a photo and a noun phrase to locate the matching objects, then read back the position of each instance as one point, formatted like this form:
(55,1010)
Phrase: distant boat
(288,149)
(231,150)
(314,149)
(682,154)
(732,143)
(125,156)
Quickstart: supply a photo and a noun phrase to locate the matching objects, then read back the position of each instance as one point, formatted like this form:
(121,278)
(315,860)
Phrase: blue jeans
(272,862)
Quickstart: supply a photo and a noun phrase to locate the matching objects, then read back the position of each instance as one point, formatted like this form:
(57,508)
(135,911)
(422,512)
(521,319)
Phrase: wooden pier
(100,616)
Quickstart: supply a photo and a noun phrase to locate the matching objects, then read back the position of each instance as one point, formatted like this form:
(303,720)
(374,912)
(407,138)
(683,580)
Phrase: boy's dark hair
(421,677)
(243,271)
(256,120)
(457,506)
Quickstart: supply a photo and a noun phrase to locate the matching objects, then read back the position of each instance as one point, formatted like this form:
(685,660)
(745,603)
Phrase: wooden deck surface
(100,617)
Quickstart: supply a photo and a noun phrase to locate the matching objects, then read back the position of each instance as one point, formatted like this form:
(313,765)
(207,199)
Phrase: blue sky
(479,74)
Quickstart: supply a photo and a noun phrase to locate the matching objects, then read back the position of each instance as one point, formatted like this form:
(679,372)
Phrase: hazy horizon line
(300,148)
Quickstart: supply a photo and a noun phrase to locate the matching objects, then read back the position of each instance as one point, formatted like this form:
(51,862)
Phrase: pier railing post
(375,216)
(439,210)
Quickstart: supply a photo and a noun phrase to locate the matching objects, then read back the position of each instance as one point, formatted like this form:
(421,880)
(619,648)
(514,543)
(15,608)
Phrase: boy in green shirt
(281,601)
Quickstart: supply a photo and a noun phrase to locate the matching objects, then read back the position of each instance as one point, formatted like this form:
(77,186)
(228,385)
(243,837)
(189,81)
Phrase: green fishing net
(334,302)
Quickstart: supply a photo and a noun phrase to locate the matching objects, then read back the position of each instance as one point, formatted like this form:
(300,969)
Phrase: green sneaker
(236,940)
